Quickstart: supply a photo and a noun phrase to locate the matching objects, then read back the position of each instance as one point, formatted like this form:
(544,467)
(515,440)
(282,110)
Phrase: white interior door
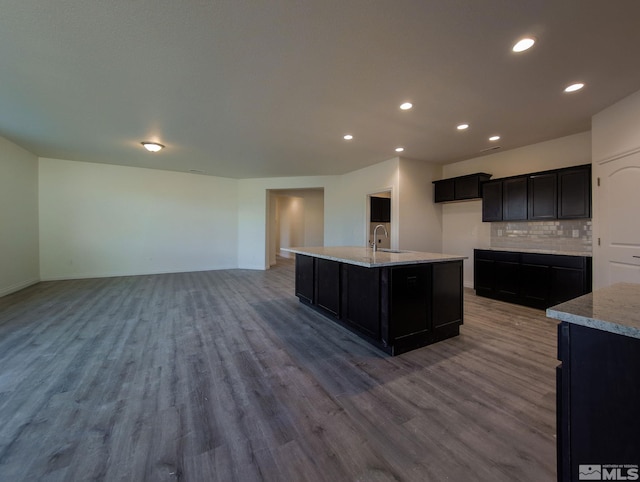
(618,256)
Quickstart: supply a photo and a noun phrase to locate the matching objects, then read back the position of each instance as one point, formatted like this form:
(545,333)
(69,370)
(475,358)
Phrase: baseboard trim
(121,274)
(18,287)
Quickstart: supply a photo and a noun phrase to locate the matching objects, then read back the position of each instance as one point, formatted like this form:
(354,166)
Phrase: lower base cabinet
(396,308)
(598,396)
(531,279)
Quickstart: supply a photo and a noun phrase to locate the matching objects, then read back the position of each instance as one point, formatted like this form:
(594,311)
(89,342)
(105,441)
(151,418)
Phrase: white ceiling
(239,88)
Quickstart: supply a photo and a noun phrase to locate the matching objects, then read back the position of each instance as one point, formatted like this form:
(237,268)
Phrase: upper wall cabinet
(543,196)
(380,209)
(514,199)
(557,194)
(574,193)
(460,188)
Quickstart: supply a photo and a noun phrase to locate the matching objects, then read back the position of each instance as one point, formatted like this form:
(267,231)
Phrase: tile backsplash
(562,235)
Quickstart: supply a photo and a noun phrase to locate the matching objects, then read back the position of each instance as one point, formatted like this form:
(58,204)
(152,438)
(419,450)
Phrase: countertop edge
(382,264)
(594,323)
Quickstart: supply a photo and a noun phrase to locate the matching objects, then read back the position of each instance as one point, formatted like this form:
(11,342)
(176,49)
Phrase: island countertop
(615,309)
(363,256)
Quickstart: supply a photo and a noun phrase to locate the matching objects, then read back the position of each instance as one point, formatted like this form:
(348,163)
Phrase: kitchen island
(396,300)
(598,384)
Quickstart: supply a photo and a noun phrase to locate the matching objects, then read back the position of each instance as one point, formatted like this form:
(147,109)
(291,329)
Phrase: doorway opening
(295,219)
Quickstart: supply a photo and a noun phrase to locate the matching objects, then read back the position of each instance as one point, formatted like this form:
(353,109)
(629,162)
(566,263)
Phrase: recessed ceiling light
(152,146)
(494,138)
(524,44)
(399,149)
(462,127)
(348,137)
(406,106)
(574,87)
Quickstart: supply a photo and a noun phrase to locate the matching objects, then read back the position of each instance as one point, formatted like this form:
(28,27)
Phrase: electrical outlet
(576,233)
(499,232)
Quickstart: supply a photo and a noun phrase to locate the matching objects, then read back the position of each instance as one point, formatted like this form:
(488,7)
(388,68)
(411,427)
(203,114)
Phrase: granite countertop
(542,251)
(615,309)
(366,257)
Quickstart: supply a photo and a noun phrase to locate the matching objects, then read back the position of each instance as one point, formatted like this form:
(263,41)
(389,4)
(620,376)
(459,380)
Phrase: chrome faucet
(374,245)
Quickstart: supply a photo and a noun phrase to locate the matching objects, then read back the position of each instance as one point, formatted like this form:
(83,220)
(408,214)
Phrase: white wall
(291,216)
(463,229)
(420,220)
(345,208)
(102,220)
(301,210)
(255,209)
(19,263)
(616,130)
(616,138)
(346,201)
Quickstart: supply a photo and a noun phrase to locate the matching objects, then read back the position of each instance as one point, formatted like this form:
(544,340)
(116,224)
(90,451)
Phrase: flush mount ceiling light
(574,87)
(347,137)
(406,106)
(399,149)
(152,146)
(462,127)
(494,138)
(524,44)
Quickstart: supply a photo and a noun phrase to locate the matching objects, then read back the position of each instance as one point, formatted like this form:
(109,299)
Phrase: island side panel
(601,424)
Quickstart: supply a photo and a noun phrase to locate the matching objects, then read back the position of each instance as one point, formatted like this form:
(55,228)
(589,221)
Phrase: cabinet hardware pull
(636,256)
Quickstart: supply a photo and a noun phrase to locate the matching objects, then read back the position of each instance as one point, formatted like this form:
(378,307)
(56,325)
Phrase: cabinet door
(574,193)
(603,398)
(380,209)
(492,201)
(444,190)
(483,281)
(328,285)
(543,196)
(410,294)
(514,199)
(304,277)
(566,284)
(361,298)
(507,281)
(534,285)
(467,187)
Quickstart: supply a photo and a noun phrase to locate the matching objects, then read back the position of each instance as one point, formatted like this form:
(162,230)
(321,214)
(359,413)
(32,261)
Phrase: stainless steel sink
(385,250)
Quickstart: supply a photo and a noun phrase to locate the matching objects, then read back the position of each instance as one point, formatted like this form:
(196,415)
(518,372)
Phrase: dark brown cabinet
(548,195)
(444,191)
(396,308)
(361,298)
(574,193)
(305,274)
(531,279)
(543,197)
(460,188)
(514,199)
(492,201)
(380,209)
(327,284)
(597,396)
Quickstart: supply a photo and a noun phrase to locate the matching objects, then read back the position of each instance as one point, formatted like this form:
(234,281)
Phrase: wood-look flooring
(225,376)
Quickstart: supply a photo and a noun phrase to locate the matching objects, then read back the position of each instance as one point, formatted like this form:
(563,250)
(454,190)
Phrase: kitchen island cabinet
(598,385)
(398,301)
